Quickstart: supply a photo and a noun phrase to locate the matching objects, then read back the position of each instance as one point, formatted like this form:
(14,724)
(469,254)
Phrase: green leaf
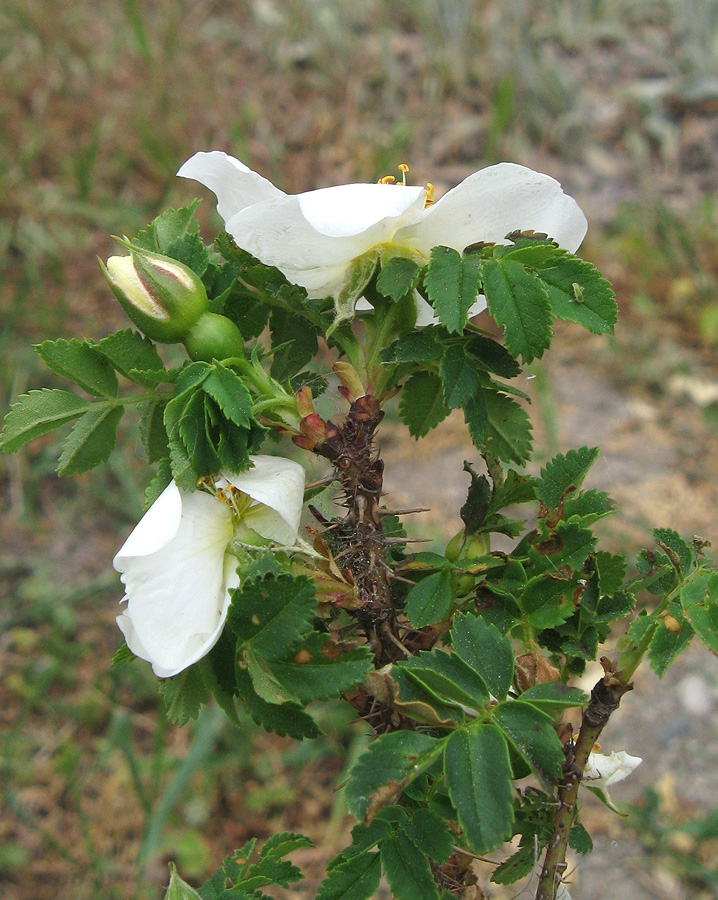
(516,866)
(533,736)
(490,355)
(320,676)
(486,650)
(418,346)
(175,233)
(422,404)
(476,418)
(612,607)
(459,376)
(678,550)
(518,301)
(564,474)
(700,589)
(578,293)
(452,285)
(665,645)
(193,432)
(588,506)
(508,430)
(178,889)
(153,431)
(552,696)
(407,870)
(429,601)
(36,414)
(391,762)
(705,622)
(184,695)
(272,615)
(570,545)
(479,777)
(580,840)
(129,351)
(82,363)
(430,834)
(284,843)
(356,879)
(227,390)
(397,277)
(478,500)
(122,656)
(448,677)
(283,719)
(611,571)
(160,481)
(295,341)
(91,440)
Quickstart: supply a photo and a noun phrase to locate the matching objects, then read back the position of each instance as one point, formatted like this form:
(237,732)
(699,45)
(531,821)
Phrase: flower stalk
(605,699)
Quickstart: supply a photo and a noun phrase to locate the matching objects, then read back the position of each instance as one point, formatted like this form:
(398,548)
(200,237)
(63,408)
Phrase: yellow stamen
(403,168)
(429,191)
(387,179)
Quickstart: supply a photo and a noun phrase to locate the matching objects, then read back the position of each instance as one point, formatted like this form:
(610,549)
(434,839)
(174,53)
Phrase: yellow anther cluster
(403,168)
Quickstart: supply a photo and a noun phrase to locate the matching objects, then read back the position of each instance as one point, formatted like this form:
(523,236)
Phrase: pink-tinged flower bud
(163,297)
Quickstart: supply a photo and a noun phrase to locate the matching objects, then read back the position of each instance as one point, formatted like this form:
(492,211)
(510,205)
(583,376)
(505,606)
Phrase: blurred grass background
(101,103)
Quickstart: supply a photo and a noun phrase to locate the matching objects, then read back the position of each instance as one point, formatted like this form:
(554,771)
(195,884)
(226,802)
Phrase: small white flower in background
(602,771)
(177,565)
(315,238)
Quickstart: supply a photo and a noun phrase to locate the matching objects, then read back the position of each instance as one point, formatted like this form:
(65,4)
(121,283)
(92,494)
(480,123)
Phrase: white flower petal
(349,209)
(156,528)
(178,595)
(235,185)
(604,770)
(277,485)
(307,250)
(492,203)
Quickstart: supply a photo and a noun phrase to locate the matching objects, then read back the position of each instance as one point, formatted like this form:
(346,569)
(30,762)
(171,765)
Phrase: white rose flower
(177,567)
(316,238)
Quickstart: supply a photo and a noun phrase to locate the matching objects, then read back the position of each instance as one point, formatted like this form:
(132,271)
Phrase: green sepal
(175,233)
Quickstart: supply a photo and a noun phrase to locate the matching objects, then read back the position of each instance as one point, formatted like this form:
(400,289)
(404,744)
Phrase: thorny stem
(360,471)
(605,699)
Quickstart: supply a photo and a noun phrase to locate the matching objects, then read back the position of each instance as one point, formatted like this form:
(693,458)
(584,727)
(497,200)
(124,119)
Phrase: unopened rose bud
(163,297)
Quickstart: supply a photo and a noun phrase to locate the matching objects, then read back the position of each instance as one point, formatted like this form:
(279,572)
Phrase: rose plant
(459,663)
